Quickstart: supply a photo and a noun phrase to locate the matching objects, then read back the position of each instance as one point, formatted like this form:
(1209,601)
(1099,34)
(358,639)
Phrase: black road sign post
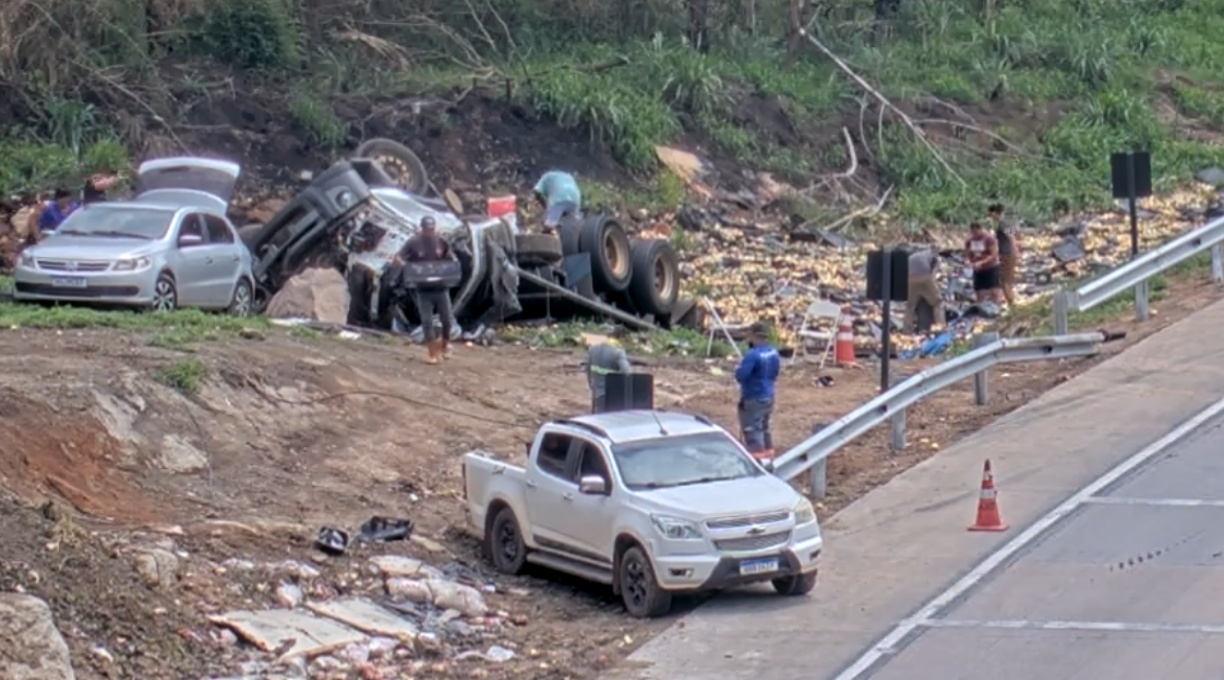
(1131,177)
(888,282)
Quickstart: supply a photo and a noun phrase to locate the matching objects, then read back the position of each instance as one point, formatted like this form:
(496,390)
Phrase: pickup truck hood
(747,496)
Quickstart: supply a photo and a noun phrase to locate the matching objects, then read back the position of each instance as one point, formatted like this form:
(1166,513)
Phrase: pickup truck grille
(760,542)
(748,520)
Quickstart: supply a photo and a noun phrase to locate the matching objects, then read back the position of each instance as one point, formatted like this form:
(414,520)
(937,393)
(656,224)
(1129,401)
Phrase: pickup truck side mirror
(593,485)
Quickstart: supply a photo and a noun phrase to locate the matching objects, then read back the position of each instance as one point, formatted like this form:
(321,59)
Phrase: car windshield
(117,222)
(679,461)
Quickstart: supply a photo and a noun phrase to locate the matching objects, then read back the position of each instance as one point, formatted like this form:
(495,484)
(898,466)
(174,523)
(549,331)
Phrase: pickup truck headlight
(131,264)
(804,512)
(675,528)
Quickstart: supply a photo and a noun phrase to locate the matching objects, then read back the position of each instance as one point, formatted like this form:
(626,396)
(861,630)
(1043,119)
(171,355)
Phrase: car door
(223,260)
(588,521)
(549,483)
(191,267)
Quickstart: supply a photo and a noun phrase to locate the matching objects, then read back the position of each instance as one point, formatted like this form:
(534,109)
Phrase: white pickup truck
(650,502)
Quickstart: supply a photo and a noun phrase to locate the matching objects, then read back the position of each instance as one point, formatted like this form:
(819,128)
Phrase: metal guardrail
(1136,273)
(812,454)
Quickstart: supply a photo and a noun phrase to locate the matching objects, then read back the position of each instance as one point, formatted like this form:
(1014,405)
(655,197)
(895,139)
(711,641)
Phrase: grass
(173,330)
(679,342)
(186,376)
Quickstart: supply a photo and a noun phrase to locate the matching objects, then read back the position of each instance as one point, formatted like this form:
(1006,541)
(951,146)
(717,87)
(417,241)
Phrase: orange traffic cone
(843,349)
(988,518)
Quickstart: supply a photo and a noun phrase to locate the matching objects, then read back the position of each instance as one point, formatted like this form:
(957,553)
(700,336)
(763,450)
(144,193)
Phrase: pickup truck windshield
(677,461)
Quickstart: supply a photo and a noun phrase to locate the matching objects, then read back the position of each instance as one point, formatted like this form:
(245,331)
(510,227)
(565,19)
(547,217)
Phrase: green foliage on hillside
(1041,92)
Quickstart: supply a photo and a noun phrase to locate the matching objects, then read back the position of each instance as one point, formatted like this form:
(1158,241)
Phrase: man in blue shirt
(757,375)
(559,194)
(55,211)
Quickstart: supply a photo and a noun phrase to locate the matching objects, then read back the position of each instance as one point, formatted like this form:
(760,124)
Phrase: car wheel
(165,293)
(656,277)
(506,547)
(605,240)
(242,303)
(640,590)
(404,166)
(799,584)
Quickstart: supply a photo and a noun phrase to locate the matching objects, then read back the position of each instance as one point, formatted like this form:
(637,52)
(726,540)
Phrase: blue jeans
(558,210)
(754,417)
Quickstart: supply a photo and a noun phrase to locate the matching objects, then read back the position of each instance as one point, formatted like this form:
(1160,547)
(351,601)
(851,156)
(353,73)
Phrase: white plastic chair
(820,309)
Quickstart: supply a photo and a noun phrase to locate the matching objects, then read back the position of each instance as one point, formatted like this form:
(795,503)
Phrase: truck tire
(794,586)
(506,548)
(248,233)
(605,240)
(656,277)
(538,248)
(404,166)
(570,232)
(640,590)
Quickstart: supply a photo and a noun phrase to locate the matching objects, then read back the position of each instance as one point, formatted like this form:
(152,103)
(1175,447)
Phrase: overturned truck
(357,215)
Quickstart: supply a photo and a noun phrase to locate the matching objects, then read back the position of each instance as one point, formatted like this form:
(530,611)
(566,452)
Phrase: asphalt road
(1112,484)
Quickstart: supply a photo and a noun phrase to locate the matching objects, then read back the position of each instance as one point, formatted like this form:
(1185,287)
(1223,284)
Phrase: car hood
(747,496)
(91,248)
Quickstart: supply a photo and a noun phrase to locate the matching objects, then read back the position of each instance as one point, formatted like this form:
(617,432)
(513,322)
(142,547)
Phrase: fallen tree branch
(1016,148)
(866,87)
(865,211)
(835,178)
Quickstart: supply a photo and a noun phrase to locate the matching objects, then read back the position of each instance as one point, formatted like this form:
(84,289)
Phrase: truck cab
(650,502)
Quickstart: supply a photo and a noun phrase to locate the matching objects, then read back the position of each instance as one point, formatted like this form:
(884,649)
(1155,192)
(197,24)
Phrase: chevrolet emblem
(756,531)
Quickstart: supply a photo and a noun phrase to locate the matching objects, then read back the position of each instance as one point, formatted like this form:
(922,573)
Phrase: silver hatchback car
(171,246)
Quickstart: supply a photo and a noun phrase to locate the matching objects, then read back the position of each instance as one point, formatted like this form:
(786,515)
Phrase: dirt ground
(291,432)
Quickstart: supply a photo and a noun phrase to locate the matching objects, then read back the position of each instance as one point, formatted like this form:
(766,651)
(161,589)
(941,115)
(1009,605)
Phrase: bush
(252,34)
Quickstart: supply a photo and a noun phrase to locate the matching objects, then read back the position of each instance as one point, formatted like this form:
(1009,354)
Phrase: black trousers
(429,301)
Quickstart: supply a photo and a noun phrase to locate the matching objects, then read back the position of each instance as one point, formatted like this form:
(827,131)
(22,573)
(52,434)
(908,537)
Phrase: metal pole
(1134,204)
(1141,301)
(1061,309)
(886,341)
(1217,263)
(980,392)
(817,478)
(897,440)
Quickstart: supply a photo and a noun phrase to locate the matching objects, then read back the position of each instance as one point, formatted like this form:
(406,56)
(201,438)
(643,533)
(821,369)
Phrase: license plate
(752,567)
(68,282)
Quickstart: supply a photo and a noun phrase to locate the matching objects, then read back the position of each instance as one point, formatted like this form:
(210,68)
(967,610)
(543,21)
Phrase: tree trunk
(699,25)
(794,24)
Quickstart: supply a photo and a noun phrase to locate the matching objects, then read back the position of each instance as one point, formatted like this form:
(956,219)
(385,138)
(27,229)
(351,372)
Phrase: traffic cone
(988,518)
(843,349)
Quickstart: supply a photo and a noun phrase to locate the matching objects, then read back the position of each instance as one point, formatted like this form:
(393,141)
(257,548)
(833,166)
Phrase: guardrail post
(1141,301)
(897,441)
(1217,263)
(817,479)
(1061,310)
(979,380)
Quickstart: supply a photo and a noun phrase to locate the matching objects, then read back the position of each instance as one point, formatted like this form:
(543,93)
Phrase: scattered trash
(332,541)
(825,381)
(378,529)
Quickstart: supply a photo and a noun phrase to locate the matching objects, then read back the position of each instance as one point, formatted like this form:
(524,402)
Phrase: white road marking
(885,646)
(1162,502)
(1086,626)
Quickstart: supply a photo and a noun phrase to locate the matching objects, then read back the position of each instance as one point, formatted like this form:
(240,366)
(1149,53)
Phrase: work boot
(433,347)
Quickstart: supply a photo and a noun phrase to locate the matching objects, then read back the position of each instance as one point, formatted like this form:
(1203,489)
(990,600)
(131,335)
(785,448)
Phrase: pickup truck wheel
(398,161)
(506,547)
(799,584)
(643,597)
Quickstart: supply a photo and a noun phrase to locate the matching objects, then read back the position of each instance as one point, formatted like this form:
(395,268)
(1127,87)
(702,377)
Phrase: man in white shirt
(923,288)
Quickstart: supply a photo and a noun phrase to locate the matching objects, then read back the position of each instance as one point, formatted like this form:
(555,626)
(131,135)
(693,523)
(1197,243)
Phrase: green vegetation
(1038,94)
(679,342)
(184,375)
(173,330)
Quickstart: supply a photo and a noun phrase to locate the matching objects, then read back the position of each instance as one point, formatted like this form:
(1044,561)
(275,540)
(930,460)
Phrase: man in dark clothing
(983,252)
(757,375)
(603,359)
(1009,253)
(427,246)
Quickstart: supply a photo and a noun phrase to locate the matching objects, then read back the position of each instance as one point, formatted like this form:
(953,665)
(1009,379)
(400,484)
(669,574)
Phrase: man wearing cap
(757,375)
(602,360)
(427,246)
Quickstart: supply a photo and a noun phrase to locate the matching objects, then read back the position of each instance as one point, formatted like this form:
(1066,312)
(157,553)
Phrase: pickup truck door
(550,490)
(589,521)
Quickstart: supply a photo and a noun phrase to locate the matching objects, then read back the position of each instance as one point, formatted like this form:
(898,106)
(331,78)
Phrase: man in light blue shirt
(757,374)
(558,192)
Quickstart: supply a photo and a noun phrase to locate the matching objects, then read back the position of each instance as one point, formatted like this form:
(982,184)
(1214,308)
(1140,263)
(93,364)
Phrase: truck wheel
(643,597)
(656,277)
(570,233)
(248,233)
(799,584)
(538,248)
(506,547)
(608,245)
(404,166)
